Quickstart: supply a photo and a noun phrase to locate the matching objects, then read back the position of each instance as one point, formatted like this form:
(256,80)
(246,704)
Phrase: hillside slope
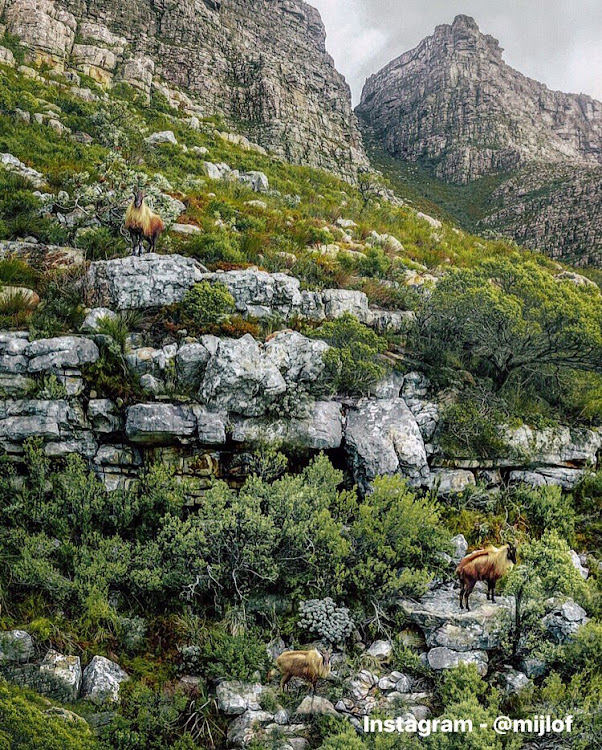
(263,65)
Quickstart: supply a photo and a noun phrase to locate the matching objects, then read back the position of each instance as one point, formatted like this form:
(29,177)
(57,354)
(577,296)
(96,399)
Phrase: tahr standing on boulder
(142,223)
(489,564)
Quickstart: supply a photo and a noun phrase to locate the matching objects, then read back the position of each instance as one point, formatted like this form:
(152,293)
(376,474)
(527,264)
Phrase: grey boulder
(160,424)
(148,281)
(60,352)
(102,679)
(62,675)
(322,429)
(240,379)
(16,646)
(440,658)
(382,438)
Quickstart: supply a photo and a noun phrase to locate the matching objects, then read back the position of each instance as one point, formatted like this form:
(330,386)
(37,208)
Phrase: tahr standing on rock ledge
(489,564)
(142,223)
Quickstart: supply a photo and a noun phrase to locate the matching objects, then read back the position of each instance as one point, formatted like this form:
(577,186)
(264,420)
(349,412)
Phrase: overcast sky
(558,42)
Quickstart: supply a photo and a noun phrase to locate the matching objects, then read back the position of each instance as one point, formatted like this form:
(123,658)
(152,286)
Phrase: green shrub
(207,303)
(213,247)
(547,508)
(235,657)
(588,505)
(61,309)
(15,310)
(508,320)
(148,719)
(472,426)
(397,541)
(99,243)
(29,723)
(15,272)
(353,363)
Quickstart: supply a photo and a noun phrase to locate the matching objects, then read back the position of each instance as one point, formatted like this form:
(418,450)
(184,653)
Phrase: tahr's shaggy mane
(489,564)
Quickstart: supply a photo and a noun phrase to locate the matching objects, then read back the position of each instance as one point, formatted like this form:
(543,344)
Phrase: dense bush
(508,319)
(28,723)
(322,618)
(472,425)
(397,541)
(353,363)
(207,303)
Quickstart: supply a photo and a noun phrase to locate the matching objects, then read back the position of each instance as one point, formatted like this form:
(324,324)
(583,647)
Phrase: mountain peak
(466,22)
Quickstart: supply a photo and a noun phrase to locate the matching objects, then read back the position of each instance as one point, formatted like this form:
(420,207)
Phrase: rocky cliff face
(454,105)
(454,101)
(262,64)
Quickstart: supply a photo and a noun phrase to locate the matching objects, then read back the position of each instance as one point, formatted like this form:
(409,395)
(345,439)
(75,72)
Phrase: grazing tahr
(308,665)
(142,223)
(488,564)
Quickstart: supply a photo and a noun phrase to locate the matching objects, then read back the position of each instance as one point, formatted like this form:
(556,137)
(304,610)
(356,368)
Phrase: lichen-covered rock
(64,672)
(314,705)
(298,358)
(160,424)
(104,416)
(6,57)
(240,379)
(564,621)
(60,424)
(554,446)
(547,475)
(243,730)
(513,681)
(61,352)
(42,25)
(451,481)
(211,426)
(382,438)
(191,361)
(444,624)
(16,646)
(41,256)
(142,282)
(149,361)
(259,293)
(322,429)
(165,136)
(235,697)
(12,164)
(102,679)
(380,650)
(94,317)
(338,302)
(460,547)
(441,658)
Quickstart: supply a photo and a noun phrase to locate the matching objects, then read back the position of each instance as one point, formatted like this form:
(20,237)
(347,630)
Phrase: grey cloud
(557,42)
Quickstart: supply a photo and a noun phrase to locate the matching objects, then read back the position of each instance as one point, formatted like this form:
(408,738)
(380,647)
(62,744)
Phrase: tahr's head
(512,552)
(138,198)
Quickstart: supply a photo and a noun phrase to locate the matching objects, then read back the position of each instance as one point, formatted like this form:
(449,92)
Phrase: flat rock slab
(148,281)
(444,624)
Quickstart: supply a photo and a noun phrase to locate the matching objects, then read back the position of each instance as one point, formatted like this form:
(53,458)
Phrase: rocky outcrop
(158,280)
(142,282)
(232,395)
(16,646)
(65,672)
(262,65)
(553,208)
(453,104)
(382,437)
